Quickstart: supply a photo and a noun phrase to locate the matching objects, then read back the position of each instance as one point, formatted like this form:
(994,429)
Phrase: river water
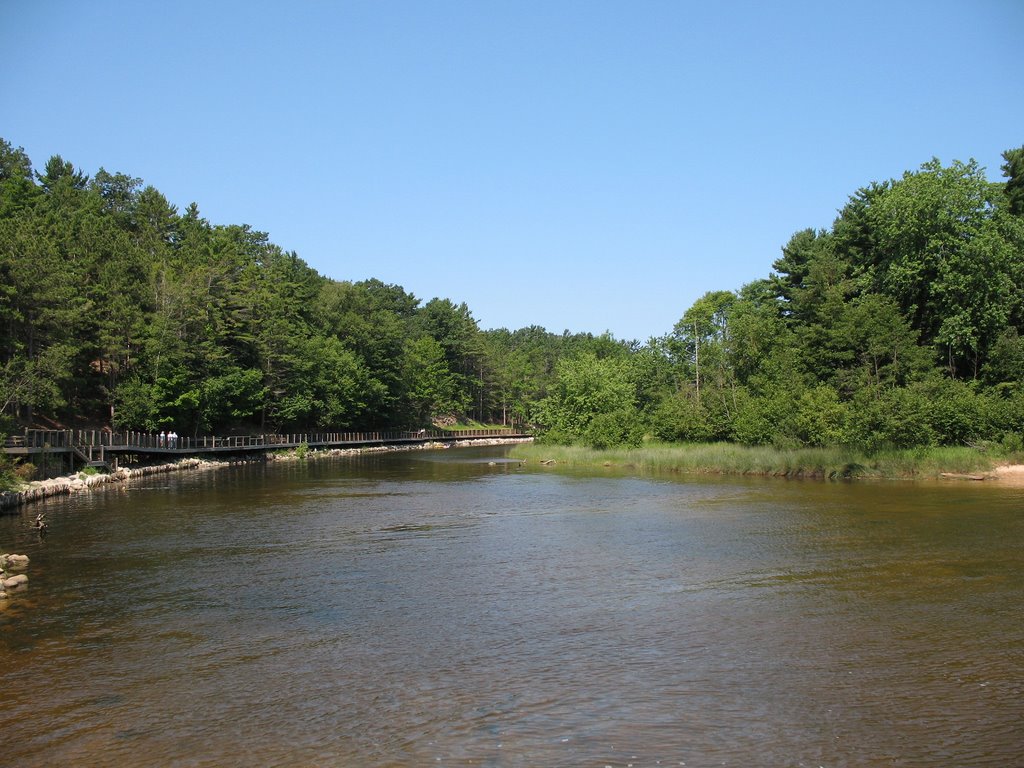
(454,608)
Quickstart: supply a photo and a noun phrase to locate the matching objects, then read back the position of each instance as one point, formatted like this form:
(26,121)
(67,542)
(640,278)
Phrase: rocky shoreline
(78,482)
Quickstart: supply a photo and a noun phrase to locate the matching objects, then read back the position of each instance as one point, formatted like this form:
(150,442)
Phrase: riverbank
(38,490)
(80,482)
(819,463)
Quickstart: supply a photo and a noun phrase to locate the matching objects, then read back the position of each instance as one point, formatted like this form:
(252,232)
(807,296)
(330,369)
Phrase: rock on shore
(12,583)
(63,486)
(293,454)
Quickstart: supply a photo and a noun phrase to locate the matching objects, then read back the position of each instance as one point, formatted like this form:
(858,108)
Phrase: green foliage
(1013,442)
(24,472)
(898,328)
(874,346)
(957,413)
(894,418)
(1005,364)
(759,417)
(373,321)
(586,387)
(37,382)
(234,395)
(679,417)
(111,299)
(137,406)
(940,253)
(429,386)
(820,418)
(616,428)
(9,480)
(813,416)
(1006,412)
(1013,170)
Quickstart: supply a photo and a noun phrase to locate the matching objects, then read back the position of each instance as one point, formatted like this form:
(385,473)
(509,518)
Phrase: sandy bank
(1009,474)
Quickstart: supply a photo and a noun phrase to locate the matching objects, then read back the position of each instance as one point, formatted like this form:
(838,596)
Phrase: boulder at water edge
(15,581)
(13,562)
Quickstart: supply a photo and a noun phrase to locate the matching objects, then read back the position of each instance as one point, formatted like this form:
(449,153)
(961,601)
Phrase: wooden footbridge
(98,447)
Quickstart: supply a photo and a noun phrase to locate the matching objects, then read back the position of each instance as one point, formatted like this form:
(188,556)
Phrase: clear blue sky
(580,165)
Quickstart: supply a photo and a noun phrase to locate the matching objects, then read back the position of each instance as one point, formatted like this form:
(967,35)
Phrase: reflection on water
(455,608)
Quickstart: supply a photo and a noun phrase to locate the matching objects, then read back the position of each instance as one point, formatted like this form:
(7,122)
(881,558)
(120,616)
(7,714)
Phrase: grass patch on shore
(734,459)
(473,424)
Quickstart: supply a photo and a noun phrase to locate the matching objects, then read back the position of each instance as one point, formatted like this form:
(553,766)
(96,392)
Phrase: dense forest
(901,325)
(116,308)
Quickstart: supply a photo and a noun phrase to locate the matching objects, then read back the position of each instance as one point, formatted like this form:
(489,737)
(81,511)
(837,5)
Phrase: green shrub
(821,419)
(618,428)
(679,417)
(25,471)
(685,417)
(10,477)
(1013,442)
(957,414)
(891,418)
(753,423)
(1006,411)
(767,419)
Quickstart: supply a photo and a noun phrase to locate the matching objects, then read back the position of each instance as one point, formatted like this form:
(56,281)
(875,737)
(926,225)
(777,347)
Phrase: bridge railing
(41,439)
(37,438)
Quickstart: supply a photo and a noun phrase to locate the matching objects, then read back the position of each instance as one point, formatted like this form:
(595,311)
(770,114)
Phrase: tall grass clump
(735,459)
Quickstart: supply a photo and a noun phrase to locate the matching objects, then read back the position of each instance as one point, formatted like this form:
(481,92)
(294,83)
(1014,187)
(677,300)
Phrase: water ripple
(405,612)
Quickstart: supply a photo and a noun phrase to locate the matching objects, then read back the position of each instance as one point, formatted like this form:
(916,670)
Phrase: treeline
(115,307)
(901,326)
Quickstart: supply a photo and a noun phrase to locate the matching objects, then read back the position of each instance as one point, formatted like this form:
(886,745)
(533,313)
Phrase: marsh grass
(734,459)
